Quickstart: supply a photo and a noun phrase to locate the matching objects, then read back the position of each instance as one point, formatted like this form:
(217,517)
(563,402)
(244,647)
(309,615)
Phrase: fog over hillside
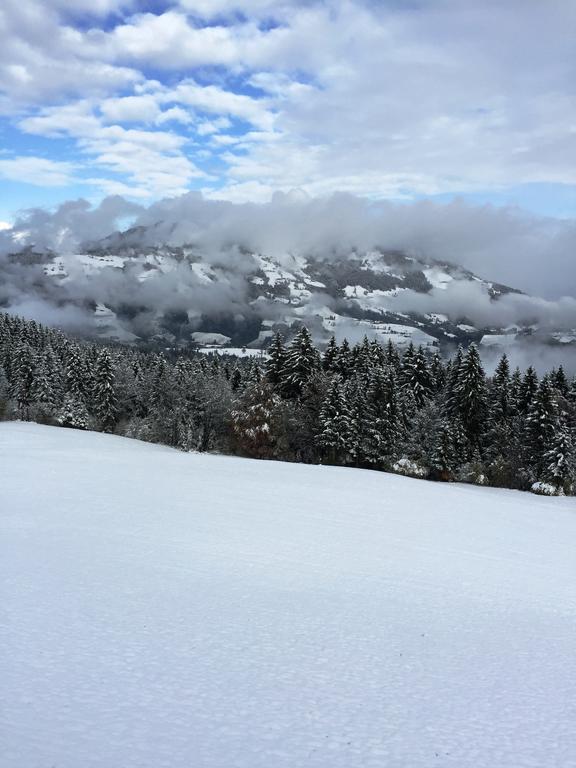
(530,254)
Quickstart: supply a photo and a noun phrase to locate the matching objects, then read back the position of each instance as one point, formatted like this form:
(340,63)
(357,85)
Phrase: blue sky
(242,98)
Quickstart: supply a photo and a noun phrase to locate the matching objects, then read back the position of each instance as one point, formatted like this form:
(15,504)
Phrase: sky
(397,100)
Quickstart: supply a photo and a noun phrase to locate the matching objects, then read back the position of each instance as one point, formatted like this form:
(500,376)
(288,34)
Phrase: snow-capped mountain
(137,286)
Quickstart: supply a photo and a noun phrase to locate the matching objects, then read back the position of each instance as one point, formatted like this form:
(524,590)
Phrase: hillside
(139,286)
(164,609)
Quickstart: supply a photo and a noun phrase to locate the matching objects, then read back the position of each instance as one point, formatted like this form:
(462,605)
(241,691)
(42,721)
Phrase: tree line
(368,405)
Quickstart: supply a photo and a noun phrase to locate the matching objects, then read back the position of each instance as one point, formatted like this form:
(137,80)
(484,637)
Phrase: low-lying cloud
(533,254)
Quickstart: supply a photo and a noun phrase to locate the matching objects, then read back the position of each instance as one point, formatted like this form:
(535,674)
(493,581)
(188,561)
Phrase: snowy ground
(164,610)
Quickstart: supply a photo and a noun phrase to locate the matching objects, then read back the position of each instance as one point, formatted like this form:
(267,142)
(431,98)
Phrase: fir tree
(336,424)
(471,396)
(540,428)
(276,360)
(559,461)
(330,355)
(302,359)
(104,393)
(443,460)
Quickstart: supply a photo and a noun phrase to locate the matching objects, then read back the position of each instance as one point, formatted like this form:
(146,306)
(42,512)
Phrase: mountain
(139,286)
(164,609)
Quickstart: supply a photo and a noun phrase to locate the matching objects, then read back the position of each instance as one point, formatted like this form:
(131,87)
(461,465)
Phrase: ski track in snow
(170,610)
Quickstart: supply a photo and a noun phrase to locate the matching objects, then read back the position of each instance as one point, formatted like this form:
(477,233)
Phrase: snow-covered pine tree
(23,384)
(559,381)
(560,461)
(471,397)
(253,418)
(540,428)
(104,394)
(302,359)
(236,379)
(392,357)
(443,460)
(528,390)
(343,364)
(416,376)
(386,431)
(330,355)
(276,360)
(336,425)
(437,373)
(73,413)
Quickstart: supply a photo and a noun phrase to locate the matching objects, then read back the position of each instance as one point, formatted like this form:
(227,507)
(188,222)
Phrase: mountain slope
(136,286)
(169,609)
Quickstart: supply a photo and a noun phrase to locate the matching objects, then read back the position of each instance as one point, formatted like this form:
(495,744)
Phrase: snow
(234,351)
(210,338)
(437,277)
(498,339)
(62,265)
(171,610)
(346,327)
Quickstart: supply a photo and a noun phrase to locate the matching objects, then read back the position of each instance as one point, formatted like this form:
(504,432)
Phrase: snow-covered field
(169,610)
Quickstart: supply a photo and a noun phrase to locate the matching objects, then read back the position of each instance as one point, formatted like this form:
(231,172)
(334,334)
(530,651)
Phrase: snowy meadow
(167,610)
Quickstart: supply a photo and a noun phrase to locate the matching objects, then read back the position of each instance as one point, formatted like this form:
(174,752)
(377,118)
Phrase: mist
(504,245)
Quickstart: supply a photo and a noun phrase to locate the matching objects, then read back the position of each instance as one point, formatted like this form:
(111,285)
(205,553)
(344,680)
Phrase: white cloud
(216,100)
(149,162)
(383,99)
(130,109)
(4,225)
(38,171)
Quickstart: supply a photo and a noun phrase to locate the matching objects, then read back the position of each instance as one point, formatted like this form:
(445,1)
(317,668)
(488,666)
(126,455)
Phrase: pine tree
(73,413)
(344,360)
(104,394)
(302,359)
(528,390)
(471,397)
(443,460)
(336,424)
(276,360)
(559,461)
(330,355)
(253,420)
(23,387)
(437,373)
(392,356)
(416,376)
(540,428)
(236,380)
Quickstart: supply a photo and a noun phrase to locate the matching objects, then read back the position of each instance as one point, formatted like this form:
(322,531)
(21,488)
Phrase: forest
(368,405)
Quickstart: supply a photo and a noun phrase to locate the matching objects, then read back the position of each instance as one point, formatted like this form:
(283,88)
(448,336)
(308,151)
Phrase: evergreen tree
(559,461)
(276,360)
(253,420)
(527,390)
(336,424)
(443,460)
(73,413)
(104,393)
(416,376)
(540,428)
(302,359)
(471,396)
(330,355)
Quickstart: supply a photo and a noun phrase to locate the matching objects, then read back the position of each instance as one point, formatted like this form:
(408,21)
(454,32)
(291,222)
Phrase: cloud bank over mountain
(533,254)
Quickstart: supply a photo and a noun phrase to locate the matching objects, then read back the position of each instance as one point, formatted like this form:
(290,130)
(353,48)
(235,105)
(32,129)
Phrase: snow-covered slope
(156,290)
(168,610)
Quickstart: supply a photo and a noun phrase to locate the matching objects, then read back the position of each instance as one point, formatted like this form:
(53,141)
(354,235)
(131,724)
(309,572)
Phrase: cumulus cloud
(38,171)
(387,99)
